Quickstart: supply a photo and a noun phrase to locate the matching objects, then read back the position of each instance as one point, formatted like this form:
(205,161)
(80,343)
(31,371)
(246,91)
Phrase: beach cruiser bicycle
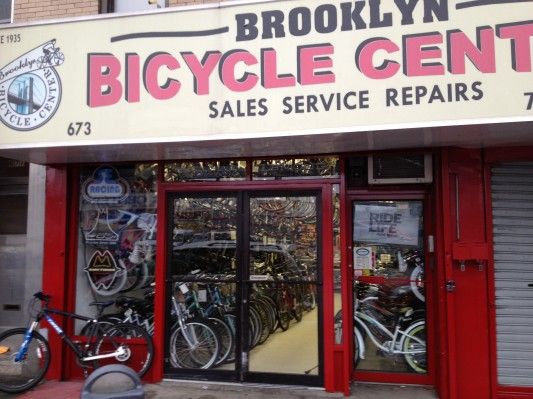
(394,334)
(25,353)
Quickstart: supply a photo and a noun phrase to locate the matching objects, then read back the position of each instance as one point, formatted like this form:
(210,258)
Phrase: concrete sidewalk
(195,390)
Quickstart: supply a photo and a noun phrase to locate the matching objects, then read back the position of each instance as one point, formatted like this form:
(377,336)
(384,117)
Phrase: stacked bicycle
(207,323)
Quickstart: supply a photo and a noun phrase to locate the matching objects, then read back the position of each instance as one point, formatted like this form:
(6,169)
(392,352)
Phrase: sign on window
(6,7)
(398,224)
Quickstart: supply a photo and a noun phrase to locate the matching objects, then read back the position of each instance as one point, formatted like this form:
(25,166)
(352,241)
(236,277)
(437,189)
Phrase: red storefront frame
(59,264)
(450,364)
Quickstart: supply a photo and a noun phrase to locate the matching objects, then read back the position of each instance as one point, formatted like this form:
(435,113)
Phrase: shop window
(294,168)
(6,11)
(108,6)
(13,196)
(14,210)
(117,236)
(205,171)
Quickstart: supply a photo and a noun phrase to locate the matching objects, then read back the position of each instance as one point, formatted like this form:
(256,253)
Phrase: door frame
(326,331)
(430,261)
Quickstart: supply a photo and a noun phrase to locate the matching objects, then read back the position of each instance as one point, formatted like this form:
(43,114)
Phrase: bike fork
(27,339)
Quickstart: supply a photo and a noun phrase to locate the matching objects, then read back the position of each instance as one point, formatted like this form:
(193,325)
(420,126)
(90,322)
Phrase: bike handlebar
(42,297)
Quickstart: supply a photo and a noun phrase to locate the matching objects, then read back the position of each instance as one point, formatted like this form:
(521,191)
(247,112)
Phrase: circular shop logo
(32,99)
(362,252)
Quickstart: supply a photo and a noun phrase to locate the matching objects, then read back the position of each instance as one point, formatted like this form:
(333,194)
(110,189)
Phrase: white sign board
(384,224)
(265,69)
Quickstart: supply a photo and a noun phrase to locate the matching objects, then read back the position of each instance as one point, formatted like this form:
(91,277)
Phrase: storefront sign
(362,260)
(102,271)
(376,224)
(105,187)
(266,69)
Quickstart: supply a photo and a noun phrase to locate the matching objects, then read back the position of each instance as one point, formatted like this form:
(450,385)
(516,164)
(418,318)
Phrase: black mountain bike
(25,353)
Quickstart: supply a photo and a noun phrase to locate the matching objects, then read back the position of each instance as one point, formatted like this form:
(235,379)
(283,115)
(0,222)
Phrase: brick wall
(34,10)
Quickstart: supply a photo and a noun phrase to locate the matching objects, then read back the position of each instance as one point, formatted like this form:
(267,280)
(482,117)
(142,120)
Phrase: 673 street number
(79,128)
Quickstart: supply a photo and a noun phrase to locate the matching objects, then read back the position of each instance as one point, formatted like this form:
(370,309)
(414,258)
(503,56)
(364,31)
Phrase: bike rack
(137,392)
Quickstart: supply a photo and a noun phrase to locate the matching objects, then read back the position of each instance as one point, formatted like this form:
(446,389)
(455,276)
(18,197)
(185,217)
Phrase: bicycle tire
(262,313)
(256,326)
(271,308)
(205,352)
(297,307)
(231,322)
(416,279)
(227,342)
(416,361)
(10,342)
(137,343)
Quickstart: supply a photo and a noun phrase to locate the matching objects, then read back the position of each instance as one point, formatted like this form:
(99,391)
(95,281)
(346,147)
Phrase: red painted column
(160,284)
(55,256)
(327,291)
(466,255)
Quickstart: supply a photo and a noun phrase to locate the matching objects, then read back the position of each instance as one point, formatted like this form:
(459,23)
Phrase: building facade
(339,191)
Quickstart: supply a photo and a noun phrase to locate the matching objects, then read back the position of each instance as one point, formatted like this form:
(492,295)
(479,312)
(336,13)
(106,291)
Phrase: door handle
(450,286)
(530,285)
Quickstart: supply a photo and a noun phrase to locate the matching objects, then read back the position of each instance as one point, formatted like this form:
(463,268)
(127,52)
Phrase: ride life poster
(394,223)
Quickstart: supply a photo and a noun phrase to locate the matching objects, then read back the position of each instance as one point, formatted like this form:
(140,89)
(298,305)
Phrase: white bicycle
(406,338)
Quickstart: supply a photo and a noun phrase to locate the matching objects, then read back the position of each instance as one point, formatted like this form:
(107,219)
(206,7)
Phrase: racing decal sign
(266,69)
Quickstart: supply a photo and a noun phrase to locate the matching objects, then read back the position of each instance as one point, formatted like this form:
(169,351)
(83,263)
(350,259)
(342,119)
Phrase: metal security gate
(512,203)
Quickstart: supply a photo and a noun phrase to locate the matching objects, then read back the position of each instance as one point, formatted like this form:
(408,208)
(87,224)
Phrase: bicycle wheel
(284,314)
(231,322)
(226,339)
(19,376)
(256,327)
(270,306)
(297,307)
(194,346)
(262,312)
(417,282)
(126,344)
(414,344)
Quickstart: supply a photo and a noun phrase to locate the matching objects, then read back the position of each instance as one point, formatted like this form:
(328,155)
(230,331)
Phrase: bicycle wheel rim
(16,377)
(416,361)
(136,344)
(206,346)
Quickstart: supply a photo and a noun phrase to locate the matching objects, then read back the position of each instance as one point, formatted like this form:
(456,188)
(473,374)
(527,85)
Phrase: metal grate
(512,202)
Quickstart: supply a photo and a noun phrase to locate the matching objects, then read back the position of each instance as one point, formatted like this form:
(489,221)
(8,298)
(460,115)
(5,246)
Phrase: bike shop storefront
(235,291)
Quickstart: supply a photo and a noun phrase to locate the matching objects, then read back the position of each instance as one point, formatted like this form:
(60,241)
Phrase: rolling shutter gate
(512,202)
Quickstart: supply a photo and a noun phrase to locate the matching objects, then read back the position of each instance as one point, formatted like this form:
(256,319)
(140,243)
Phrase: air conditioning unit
(400,169)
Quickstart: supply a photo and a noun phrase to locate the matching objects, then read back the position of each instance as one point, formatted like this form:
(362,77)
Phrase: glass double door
(243,282)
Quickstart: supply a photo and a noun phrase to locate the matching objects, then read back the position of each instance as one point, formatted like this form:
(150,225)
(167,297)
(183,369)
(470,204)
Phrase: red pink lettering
(236,71)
